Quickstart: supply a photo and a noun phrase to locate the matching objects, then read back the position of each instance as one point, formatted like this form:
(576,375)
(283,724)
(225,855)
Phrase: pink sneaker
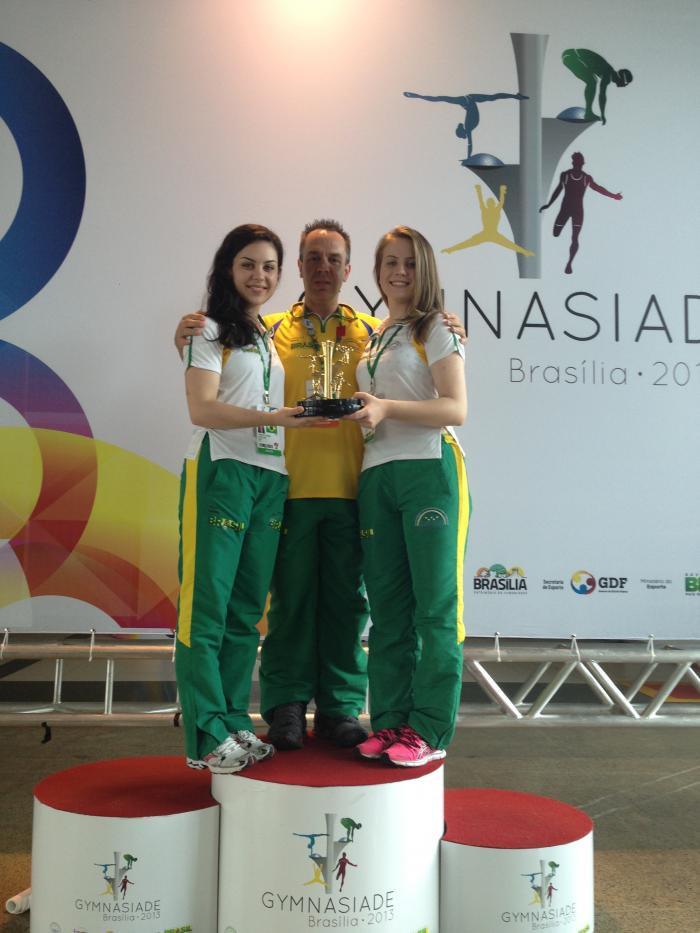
(377,743)
(412,751)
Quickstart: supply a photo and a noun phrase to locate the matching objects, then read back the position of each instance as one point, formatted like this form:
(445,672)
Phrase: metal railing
(519,682)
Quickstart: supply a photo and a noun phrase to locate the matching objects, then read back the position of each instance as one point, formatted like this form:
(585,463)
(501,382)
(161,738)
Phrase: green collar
(342,312)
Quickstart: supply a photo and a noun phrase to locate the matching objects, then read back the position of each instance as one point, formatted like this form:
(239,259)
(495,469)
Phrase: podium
(127,845)
(313,839)
(316,839)
(515,862)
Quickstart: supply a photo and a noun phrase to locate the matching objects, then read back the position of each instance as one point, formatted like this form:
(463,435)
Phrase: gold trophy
(325,400)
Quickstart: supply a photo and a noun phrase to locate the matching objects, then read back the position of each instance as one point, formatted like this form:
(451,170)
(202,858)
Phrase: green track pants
(230,521)
(414,516)
(317,613)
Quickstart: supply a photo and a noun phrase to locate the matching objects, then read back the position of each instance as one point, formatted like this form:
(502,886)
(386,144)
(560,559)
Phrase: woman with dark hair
(414,508)
(233,489)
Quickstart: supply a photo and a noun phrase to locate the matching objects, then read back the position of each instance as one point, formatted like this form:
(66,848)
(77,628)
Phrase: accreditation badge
(269,440)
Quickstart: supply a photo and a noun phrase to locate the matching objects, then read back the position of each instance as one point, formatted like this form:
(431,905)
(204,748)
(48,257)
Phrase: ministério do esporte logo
(692,584)
(498,579)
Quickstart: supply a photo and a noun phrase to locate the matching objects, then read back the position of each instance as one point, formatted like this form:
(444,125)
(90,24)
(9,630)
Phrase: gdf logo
(612,583)
(582,582)
(692,584)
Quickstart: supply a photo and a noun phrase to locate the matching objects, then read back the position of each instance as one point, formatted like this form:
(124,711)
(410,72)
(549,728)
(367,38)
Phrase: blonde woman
(414,508)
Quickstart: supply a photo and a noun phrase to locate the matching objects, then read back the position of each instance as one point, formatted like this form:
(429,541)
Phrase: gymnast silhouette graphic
(470,104)
(490,218)
(124,884)
(312,837)
(574,183)
(109,890)
(318,874)
(595,73)
(342,865)
(109,881)
(350,826)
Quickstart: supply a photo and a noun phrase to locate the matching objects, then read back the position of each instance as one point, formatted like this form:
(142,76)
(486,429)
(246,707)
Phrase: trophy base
(328,407)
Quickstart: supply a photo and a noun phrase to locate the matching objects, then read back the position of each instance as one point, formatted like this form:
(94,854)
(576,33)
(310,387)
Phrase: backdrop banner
(532,145)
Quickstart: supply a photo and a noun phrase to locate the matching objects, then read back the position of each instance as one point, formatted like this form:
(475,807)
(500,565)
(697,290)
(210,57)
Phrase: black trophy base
(328,407)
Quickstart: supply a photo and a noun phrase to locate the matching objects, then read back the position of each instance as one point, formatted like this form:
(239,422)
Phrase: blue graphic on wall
(53,184)
(464,130)
(64,542)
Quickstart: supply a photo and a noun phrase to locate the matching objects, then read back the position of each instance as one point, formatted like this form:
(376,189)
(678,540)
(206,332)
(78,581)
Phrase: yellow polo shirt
(324,462)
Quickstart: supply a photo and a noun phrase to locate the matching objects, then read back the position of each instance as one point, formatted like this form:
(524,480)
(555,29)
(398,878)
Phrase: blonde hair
(427,297)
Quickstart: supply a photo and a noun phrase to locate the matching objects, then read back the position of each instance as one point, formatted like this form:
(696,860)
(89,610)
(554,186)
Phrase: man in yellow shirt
(318,609)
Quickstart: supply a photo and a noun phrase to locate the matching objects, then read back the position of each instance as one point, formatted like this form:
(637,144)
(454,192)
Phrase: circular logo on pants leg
(431,518)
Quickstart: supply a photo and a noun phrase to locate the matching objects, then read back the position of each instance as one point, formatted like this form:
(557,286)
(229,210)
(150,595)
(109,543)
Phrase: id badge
(269,440)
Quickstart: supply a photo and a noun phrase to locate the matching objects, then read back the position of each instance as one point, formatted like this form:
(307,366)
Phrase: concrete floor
(641,785)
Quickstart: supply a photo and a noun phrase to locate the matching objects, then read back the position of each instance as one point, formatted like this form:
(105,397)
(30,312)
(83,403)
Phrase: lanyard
(311,330)
(264,339)
(378,348)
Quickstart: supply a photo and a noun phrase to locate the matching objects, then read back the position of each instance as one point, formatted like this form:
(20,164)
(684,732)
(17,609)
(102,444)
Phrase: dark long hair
(224,304)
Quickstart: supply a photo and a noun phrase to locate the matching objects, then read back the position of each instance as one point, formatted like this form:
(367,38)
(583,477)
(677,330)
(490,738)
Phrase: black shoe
(288,727)
(344,731)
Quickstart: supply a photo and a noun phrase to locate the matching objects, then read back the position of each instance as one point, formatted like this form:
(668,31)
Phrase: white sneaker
(254,746)
(228,757)
(196,763)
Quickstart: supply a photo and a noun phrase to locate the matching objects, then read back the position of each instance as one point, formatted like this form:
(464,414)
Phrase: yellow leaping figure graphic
(490,218)
(317,878)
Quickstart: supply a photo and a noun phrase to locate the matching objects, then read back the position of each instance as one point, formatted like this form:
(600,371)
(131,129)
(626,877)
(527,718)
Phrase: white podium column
(128,845)
(515,863)
(317,839)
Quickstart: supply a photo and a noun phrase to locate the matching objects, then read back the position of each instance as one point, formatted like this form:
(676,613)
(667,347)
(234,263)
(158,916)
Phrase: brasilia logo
(336,857)
(543,140)
(498,579)
(692,584)
(582,582)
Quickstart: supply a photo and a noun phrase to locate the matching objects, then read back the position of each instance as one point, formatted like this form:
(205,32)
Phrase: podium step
(318,839)
(516,862)
(129,844)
